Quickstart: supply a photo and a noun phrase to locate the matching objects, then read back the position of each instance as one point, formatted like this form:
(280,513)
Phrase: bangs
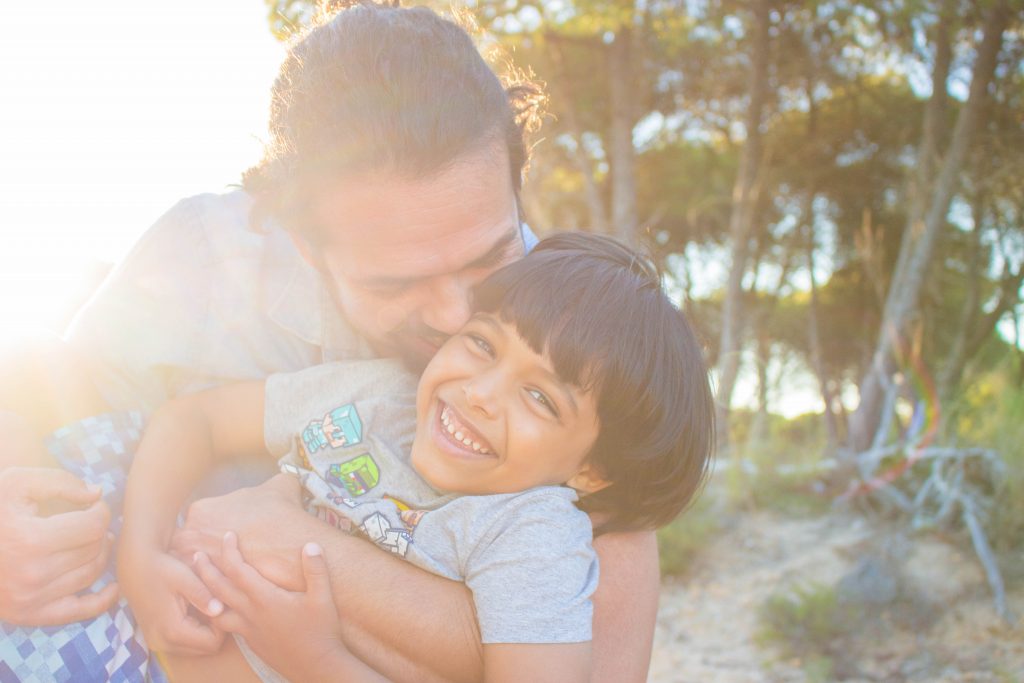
(580,309)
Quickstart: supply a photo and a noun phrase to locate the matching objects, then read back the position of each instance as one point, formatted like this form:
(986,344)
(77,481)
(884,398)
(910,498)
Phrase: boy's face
(493,417)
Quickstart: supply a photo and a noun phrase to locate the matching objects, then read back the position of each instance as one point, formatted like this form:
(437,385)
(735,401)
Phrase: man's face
(402,255)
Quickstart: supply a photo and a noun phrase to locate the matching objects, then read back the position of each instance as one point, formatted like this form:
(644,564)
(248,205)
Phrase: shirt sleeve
(534,571)
(143,325)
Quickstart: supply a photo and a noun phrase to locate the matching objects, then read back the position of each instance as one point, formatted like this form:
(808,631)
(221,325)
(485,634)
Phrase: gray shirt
(346,431)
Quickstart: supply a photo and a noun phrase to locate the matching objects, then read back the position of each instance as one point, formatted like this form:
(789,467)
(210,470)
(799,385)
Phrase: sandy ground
(707,622)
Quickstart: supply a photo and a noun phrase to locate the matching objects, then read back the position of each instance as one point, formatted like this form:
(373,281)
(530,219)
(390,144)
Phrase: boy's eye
(541,398)
(482,344)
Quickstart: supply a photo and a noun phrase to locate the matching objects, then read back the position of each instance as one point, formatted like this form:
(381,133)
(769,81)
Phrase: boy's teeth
(459,436)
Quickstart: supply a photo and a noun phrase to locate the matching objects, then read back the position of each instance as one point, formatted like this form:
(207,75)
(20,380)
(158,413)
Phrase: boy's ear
(588,480)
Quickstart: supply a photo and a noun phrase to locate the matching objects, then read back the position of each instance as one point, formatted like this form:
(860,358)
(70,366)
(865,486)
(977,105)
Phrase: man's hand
(46,561)
(255,515)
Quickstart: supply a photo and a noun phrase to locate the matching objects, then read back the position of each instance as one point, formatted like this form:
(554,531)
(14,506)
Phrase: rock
(873,581)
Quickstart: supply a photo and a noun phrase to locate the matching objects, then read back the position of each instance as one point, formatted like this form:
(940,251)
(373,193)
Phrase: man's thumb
(46,483)
(314,568)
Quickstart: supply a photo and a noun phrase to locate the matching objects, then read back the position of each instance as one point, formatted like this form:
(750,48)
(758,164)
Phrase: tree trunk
(566,98)
(621,154)
(741,220)
(922,234)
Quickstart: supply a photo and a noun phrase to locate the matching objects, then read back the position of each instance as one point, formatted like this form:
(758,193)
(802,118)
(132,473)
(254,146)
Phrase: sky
(111,112)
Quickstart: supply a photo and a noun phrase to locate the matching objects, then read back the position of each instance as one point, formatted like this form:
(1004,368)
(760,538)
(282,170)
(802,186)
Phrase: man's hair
(382,88)
(597,309)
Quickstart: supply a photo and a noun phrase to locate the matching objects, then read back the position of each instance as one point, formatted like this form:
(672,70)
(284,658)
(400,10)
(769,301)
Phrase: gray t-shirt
(346,430)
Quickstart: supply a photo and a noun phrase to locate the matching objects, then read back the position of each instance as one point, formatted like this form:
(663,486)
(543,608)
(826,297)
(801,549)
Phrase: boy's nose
(480,395)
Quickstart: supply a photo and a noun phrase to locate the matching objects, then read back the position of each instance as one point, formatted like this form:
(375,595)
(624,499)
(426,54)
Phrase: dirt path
(706,624)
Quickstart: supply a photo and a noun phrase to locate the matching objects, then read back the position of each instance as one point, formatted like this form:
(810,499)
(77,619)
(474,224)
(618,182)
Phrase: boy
(575,377)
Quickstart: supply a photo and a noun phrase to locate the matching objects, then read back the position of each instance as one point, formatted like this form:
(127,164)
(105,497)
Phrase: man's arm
(625,606)
(404,622)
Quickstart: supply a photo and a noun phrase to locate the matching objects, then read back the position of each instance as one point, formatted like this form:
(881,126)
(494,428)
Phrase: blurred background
(835,191)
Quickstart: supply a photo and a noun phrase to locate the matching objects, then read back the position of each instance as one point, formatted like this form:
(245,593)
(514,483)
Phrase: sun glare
(112,112)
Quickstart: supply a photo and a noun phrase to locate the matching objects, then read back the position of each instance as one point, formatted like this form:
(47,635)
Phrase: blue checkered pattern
(109,647)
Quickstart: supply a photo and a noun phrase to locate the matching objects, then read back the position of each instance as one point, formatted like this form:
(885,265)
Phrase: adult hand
(268,520)
(46,560)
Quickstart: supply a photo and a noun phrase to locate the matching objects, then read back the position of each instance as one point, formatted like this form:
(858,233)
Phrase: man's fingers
(185,543)
(81,577)
(73,608)
(314,568)
(71,529)
(44,483)
(221,587)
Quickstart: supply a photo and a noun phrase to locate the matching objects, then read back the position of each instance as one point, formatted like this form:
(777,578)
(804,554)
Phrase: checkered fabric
(109,647)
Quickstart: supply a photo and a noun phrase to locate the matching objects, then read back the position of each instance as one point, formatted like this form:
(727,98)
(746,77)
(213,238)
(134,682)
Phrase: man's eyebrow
(499,249)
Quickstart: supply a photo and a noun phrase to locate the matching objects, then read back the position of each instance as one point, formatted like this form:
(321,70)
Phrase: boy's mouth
(461,434)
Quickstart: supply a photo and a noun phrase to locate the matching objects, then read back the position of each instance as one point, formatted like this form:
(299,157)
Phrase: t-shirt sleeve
(295,398)
(534,571)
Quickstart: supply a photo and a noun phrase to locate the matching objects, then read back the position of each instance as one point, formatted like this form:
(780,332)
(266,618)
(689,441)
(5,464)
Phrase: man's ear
(588,480)
(305,250)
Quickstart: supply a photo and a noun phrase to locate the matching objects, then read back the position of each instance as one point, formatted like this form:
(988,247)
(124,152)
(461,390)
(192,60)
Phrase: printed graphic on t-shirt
(357,476)
(379,530)
(338,429)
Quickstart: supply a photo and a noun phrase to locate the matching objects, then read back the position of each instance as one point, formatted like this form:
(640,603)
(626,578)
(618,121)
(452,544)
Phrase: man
(388,189)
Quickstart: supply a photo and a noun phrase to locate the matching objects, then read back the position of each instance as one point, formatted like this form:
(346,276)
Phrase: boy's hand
(160,589)
(46,561)
(297,633)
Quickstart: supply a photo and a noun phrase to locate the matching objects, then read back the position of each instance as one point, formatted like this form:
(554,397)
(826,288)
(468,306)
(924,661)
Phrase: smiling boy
(575,381)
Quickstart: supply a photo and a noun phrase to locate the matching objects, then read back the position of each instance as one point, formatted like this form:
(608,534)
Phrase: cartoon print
(340,427)
(400,504)
(334,519)
(358,475)
(377,528)
(300,449)
(410,518)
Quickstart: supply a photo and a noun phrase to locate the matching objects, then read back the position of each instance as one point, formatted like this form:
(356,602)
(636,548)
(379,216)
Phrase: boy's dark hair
(598,310)
(378,87)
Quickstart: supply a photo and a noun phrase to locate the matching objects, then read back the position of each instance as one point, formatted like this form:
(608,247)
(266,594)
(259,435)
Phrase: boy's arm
(404,622)
(182,441)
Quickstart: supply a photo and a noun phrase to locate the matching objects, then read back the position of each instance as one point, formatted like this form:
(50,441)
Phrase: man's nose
(446,308)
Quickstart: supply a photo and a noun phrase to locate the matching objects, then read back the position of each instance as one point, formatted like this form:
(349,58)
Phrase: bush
(680,542)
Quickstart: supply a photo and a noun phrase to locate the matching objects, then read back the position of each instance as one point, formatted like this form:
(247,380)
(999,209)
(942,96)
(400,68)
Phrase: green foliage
(680,542)
(777,470)
(808,622)
(990,412)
